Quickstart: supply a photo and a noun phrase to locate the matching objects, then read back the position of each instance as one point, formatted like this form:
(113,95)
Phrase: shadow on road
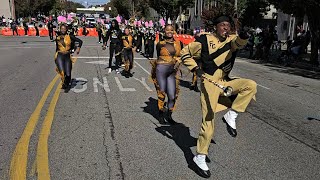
(185,84)
(313,119)
(180,134)
(298,68)
(152,107)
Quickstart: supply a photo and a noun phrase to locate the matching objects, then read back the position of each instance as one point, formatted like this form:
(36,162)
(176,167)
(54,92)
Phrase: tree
(141,8)
(22,8)
(170,8)
(251,12)
(113,12)
(299,8)
(71,6)
(123,7)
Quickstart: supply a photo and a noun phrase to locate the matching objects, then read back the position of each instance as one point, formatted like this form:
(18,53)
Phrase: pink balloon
(62,19)
(162,22)
(118,18)
(69,17)
(150,23)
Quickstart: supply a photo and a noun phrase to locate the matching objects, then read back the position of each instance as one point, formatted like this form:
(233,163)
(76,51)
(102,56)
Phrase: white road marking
(144,83)
(105,84)
(82,82)
(121,88)
(19,47)
(263,86)
(142,67)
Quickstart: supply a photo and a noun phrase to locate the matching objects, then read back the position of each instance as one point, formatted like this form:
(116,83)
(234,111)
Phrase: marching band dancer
(99,30)
(164,72)
(151,37)
(215,51)
(128,45)
(139,39)
(114,34)
(63,55)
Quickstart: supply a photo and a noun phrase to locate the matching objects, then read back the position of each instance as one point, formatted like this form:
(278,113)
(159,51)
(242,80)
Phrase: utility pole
(132,7)
(236,5)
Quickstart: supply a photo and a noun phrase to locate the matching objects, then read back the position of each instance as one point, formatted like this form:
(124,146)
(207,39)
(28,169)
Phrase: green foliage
(33,7)
(170,8)
(141,8)
(123,7)
(113,12)
(252,11)
(70,6)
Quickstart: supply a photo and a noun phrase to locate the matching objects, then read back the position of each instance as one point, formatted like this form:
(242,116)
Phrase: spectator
(37,30)
(307,39)
(50,28)
(14,28)
(250,44)
(267,43)
(26,29)
(258,43)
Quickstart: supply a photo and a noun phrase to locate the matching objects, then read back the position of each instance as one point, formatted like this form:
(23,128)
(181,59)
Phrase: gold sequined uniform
(168,54)
(215,58)
(63,57)
(128,45)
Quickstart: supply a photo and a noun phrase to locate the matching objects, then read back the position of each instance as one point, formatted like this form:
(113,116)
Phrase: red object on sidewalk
(185,39)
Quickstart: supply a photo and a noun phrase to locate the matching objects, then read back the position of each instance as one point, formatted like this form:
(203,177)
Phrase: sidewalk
(303,64)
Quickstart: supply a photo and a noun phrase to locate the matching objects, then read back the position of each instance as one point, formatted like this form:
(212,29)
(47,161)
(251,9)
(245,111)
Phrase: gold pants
(245,89)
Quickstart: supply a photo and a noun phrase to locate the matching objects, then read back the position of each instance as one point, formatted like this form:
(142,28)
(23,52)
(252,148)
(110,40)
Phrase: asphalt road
(106,126)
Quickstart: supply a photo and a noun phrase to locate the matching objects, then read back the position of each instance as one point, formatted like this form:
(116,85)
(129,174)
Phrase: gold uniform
(128,44)
(168,54)
(217,59)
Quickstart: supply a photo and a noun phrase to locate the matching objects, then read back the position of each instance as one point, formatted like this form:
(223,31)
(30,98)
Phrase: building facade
(7,9)
(287,25)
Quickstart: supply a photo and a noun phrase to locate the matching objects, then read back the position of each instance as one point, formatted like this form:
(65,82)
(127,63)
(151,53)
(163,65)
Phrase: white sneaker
(230,118)
(200,161)
(109,71)
(117,71)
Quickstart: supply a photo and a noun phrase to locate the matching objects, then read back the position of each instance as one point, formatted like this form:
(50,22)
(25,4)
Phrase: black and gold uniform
(63,58)
(216,57)
(128,44)
(139,39)
(150,38)
(115,47)
(99,30)
(104,33)
(164,74)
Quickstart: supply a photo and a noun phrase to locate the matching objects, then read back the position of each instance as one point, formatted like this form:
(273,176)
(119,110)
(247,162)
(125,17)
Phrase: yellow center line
(42,159)
(18,165)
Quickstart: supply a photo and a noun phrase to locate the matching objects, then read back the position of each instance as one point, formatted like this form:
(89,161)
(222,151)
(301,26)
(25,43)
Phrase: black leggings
(51,34)
(115,48)
(166,78)
(128,55)
(150,49)
(64,65)
(100,35)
